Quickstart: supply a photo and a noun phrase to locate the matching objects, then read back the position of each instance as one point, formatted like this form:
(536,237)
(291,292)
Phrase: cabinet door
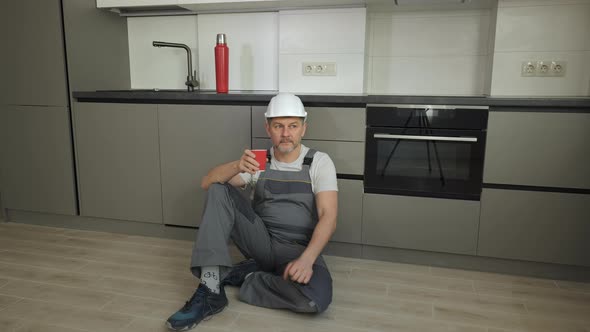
(538,149)
(118,161)
(535,226)
(36,167)
(348,157)
(194,139)
(95,39)
(434,224)
(350,207)
(324,123)
(35,73)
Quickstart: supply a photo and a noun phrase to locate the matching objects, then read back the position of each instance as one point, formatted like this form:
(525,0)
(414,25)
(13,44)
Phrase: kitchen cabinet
(97,47)
(350,207)
(350,204)
(535,226)
(118,161)
(193,139)
(421,223)
(339,132)
(36,167)
(324,123)
(35,73)
(348,157)
(547,149)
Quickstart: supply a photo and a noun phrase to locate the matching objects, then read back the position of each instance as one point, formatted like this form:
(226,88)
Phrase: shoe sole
(189,327)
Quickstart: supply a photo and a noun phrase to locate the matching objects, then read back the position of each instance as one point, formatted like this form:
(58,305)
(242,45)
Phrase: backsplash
(429,52)
(470,52)
(252,39)
(163,68)
(542,30)
(328,36)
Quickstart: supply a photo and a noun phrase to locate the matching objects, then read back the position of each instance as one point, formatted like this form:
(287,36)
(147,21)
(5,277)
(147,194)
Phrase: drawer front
(433,224)
(348,157)
(538,149)
(535,226)
(350,207)
(324,123)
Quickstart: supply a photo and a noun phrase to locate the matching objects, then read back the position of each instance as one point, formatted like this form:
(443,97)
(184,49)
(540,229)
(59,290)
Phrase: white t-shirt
(321,170)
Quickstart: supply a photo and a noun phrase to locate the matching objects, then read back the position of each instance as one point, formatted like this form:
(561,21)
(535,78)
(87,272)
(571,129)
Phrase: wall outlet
(543,68)
(557,68)
(528,68)
(318,68)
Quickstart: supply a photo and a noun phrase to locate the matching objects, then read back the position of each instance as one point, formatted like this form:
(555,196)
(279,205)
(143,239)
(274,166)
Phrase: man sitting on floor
(282,231)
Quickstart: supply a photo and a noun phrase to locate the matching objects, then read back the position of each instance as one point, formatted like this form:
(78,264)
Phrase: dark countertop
(211,97)
(581,104)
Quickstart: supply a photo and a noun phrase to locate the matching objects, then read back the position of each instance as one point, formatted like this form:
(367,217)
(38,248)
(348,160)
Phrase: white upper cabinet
(210,6)
(133,3)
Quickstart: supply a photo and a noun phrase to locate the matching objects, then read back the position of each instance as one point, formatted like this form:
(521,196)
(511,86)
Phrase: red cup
(260,158)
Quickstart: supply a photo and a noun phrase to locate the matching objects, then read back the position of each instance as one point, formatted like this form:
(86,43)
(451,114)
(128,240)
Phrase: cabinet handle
(427,138)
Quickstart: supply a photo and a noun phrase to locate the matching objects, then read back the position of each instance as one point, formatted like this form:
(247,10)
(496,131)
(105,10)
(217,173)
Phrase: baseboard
(102,225)
(465,262)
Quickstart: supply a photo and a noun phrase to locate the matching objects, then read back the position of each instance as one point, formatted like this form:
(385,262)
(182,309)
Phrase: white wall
(327,35)
(444,52)
(163,68)
(542,30)
(252,39)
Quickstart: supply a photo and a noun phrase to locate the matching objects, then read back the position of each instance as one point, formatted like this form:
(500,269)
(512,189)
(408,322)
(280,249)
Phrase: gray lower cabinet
(547,149)
(420,223)
(36,168)
(118,161)
(323,123)
(535,226)
(350,207)
(193,139)
(348,157)
(350,202)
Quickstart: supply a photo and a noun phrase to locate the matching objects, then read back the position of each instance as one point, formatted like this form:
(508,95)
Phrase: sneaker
(238,273)
(204,303)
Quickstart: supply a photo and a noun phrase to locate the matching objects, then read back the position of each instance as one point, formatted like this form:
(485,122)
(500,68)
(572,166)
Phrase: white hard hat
(285,104)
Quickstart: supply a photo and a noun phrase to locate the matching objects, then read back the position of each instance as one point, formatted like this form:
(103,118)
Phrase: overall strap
(308,159)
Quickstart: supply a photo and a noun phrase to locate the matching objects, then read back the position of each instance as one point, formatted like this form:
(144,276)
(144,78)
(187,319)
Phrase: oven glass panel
(435,163)
(424,159)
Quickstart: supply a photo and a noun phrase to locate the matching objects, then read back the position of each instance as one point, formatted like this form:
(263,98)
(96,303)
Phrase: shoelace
(196,298)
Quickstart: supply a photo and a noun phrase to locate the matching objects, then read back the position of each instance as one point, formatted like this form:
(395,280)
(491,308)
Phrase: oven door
(434,162)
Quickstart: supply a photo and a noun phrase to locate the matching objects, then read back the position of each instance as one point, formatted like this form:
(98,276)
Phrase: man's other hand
(299,270)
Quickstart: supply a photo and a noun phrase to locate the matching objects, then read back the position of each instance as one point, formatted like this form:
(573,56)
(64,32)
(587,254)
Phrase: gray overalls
(274,232)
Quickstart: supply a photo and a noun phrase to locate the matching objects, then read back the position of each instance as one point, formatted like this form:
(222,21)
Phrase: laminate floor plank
(65,280)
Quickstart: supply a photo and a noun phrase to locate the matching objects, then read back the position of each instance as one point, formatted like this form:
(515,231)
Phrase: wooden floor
(54,279)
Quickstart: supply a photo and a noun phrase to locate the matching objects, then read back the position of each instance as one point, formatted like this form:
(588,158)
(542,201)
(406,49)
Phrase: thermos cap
(221,38)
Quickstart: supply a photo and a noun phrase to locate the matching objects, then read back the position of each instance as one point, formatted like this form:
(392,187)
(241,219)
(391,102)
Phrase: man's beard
(289,149)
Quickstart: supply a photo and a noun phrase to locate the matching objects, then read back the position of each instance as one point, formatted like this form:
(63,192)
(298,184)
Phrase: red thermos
(221,64)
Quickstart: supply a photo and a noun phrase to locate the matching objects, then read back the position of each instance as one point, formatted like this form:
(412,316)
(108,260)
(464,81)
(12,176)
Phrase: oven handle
(427,138)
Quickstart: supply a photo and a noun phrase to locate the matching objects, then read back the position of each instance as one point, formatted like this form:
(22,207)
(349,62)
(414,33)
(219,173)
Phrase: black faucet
(191,79)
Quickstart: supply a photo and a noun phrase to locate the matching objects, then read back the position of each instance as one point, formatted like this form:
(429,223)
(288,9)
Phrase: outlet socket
(318,68)
(528,69)
(557,68)
(543,68)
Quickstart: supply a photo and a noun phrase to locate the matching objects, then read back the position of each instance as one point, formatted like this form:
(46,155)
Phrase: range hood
(188,7)
(428,2)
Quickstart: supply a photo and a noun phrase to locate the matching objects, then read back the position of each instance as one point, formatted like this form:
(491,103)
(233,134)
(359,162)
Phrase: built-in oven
(425,150)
